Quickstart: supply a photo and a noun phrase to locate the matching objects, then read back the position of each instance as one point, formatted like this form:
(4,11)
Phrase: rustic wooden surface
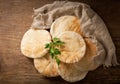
(15,19)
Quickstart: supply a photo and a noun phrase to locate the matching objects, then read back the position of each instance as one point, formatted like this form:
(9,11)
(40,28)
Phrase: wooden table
(15,20)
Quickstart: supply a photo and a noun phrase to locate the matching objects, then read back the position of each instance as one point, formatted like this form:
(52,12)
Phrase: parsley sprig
(53,48)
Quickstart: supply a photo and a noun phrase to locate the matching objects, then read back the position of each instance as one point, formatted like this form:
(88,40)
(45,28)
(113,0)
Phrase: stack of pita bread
(78,54)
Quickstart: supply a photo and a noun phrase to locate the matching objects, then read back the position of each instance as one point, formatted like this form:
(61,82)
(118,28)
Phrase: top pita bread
(65,23)
(33,43)
(74,48)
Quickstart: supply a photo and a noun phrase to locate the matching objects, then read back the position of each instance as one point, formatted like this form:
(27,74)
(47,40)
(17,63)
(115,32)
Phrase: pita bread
(33,43)
(46,66)
(70,73)
(74,48)
(65,23)
(88,61)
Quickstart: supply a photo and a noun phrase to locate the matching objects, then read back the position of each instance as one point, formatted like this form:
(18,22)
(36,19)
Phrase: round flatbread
(70,73)
(74,48)
(92,58)
(65,23)
(46,66)
(33,43)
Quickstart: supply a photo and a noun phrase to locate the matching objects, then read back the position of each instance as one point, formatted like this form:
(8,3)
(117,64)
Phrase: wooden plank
(15,19)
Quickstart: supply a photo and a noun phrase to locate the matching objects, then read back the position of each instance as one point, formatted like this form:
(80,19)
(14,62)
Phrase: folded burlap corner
(91,24)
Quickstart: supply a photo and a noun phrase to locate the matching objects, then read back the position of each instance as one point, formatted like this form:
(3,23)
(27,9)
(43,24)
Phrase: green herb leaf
(52,55)
(58,61)
(59,43)
(47,45)
(56,39)
(52,50)
(57,51)
(51,45)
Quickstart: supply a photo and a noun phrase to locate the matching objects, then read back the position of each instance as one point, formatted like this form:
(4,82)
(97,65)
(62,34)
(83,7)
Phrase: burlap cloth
(91,24)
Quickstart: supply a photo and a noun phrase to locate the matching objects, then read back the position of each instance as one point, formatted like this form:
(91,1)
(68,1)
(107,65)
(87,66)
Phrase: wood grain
(15,19)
